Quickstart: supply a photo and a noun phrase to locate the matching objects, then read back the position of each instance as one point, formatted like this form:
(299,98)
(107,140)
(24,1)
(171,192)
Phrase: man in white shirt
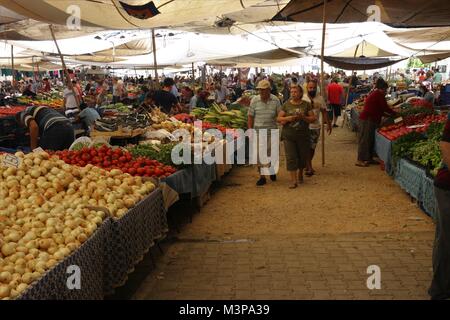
(71,105)
(320,112)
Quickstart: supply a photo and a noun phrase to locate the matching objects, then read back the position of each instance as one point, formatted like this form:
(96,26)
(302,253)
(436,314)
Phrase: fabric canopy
(265,58)
(420,35)
(398,13)
(359,63)
(365,49)
(429,58)
(113,15)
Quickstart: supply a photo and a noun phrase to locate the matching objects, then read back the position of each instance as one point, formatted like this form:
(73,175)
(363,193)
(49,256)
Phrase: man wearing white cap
(262,114)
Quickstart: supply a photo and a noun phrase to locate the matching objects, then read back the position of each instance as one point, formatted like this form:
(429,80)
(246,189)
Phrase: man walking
(319,108)
(335,95)
(262,114)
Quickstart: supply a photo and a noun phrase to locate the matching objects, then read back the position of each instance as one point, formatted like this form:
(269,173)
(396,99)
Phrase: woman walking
(295,116)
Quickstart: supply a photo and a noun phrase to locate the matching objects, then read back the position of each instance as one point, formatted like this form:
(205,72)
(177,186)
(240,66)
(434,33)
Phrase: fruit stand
(95,207)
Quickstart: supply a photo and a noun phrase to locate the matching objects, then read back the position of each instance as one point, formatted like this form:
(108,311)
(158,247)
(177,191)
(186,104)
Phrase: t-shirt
(45,117)
(443,177)
(264,113)
(437,77)
(89,116)
(335,92)
(71,102)
(165,100)
(291,110)
(318,104)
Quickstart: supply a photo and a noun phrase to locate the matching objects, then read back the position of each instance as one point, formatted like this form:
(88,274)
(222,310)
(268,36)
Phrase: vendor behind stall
(375,108)
(87,117)
(49,129)
(165,99)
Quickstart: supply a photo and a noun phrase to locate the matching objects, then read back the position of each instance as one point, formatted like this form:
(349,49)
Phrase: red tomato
(140,171)
(132,171)
(123,159)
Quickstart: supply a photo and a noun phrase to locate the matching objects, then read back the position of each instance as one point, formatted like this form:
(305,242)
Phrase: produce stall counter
(89,260)
(107,257)
(193,180)
(415,181)
(354,119)
(383,148)
(131,237)
(409,176)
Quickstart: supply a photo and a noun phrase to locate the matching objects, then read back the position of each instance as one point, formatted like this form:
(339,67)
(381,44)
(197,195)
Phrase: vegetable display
(10,111)
(396,131)
(217,114)
(113,159)
(47,212)
(161,153)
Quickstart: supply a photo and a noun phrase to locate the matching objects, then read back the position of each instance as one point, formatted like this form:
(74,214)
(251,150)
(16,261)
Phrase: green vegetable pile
(428,154)
(435,131)
(403,146)
(120,107)
(423,149)
(161,153)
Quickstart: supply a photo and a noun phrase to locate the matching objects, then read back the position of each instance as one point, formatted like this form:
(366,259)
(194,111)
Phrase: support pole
(155,62)
(13,70)
(193,77)
(322,78)
(65,72)
(204,77)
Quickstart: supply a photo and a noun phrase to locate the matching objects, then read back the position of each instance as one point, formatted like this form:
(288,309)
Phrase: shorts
(334,109)
(297,151)
(315,135)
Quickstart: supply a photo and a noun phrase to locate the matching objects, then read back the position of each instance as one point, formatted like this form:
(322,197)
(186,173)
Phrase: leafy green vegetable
(435,131)
(161,153)
(428,154)
(403,146)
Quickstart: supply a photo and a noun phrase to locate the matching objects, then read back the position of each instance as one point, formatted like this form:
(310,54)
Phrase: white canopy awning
(111,14)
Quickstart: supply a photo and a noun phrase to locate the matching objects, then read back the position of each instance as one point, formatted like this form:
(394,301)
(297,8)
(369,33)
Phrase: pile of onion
(48,209)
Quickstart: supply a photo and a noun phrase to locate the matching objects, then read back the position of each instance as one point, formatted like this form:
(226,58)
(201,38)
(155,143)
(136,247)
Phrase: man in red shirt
(335,94)
(375,107)
(440,285)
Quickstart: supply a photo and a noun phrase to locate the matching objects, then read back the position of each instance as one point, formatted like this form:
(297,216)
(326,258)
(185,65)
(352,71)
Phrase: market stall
(410,153)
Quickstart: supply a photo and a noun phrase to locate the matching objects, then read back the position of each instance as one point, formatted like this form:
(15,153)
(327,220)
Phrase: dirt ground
(341,198)
(314,242)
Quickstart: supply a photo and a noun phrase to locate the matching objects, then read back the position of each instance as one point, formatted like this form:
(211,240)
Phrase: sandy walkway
(341,198)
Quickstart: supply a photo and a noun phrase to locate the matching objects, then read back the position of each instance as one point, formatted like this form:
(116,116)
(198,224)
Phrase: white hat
(264,84)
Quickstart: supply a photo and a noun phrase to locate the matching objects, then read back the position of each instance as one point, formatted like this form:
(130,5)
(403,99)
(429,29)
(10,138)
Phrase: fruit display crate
(88,259)
(131,237)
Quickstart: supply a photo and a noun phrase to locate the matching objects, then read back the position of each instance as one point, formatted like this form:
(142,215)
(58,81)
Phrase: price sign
(12,161)
(37,150)
(398,120)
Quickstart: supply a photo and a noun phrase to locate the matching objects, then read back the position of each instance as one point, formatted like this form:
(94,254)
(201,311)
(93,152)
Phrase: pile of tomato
(10,111)
(396,131)
(108,159)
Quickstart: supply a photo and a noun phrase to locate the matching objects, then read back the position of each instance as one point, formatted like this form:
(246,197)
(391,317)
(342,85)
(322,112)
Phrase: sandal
(309,173)
(293,186)
(362,164)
